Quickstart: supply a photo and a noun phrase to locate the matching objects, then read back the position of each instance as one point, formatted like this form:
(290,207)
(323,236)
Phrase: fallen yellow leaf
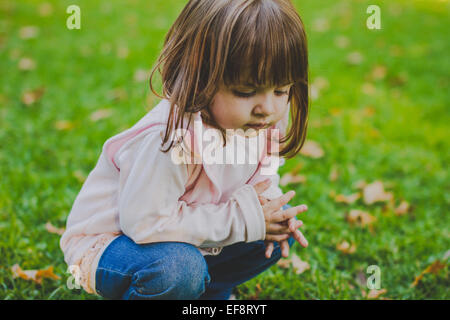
(289,178)
(28,32)
(79,175)
(402,209)
(33,275)
(361,218)
(340,198)
(375,294)
(368,88)
(374,192)
(341,42)
(346,248)
(45,9)
(64,125)
(312,149)
(100,114)
(334,174)
(33,96)
(141,75)
(26,64)
(434,268)
(378,72)
(360,184)
(355,58)
(298,265)
(284,263)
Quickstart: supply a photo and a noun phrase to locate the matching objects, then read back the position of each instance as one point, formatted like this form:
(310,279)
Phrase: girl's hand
(274,215)
(293,225)
(298,236)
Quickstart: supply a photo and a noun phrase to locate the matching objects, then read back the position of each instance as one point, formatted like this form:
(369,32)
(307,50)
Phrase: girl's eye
(249,94)
(281,93)
(243,94)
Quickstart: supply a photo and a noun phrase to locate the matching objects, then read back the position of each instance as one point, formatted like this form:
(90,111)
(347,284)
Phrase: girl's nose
(265,106)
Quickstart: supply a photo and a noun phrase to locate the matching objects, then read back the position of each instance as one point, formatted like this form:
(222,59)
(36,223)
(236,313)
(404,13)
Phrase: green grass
(404,143)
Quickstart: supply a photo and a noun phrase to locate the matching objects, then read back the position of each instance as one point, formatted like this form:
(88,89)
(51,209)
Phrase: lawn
(379,115)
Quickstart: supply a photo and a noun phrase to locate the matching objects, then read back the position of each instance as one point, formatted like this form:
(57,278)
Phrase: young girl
(147,226)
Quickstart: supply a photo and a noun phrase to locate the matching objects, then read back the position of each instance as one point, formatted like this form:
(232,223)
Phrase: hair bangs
(264,49)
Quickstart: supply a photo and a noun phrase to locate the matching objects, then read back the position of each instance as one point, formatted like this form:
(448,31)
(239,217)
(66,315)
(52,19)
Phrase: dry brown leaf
(433,268)
(322,122)
(360,184)
(321,24)
(26,64)
(117,94)
(298,265)
(312,149)
(79,175)
(122,52)
(289,178)
(314,92)
(375,294)
(378,72)
(28,32)
(368,88)
(284,263)
(141,75)
(316,86)
(52,229)
(321,83)
(402,208)
(374,192)
(398,80)
(33,96)
(334,174)
(341,42)
(368,111)
(335,111)
(33,275)
(355,58)
(64,125)
(360,218)
(332,194)
(100,114)
(340,198)
(346,248)
(45,9)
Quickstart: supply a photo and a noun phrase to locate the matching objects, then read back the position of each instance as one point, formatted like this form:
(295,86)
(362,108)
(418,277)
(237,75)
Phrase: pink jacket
(137,190)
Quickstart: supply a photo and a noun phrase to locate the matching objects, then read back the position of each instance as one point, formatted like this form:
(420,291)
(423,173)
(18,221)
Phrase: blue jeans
(177,270)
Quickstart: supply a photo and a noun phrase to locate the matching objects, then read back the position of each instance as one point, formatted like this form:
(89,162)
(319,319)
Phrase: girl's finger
(277,228)
(294,224)
(288,213)
(284,248)
(269,250)
(279,202)
(262,200)
(262,186)
(300,238)
(277,237)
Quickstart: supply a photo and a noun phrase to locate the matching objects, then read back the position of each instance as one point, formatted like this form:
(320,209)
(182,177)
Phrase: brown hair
(230,42)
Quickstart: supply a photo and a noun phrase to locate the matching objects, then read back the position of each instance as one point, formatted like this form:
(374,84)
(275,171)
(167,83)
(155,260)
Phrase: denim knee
(181,274)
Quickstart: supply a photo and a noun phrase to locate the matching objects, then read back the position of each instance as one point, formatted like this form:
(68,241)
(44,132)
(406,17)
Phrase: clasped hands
(280,224)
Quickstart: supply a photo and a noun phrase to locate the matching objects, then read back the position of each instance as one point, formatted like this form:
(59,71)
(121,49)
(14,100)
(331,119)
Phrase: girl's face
(237,107)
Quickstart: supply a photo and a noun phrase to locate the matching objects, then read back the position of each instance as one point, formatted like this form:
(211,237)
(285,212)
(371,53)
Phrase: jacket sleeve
(150,187)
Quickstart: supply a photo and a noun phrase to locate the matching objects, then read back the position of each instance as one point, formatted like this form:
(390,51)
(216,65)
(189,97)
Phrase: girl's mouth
(258,127)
